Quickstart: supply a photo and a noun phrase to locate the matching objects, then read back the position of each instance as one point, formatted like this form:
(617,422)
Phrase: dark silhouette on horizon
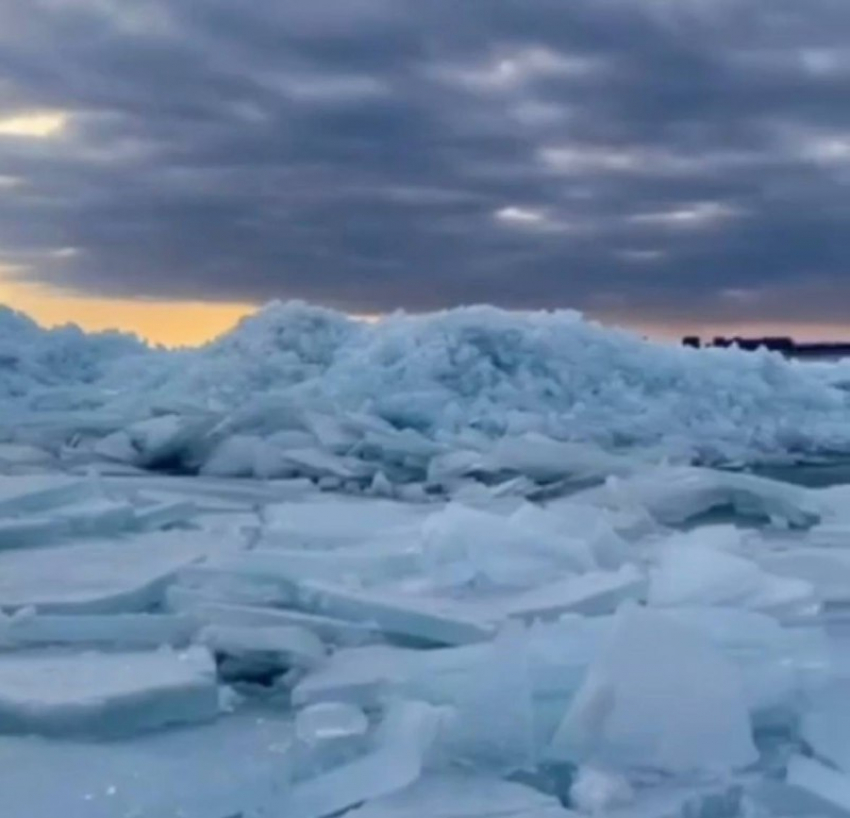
(782,344)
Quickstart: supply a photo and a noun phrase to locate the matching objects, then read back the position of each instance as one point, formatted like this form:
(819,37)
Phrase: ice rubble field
(302,391)
(490,570)
(669,643)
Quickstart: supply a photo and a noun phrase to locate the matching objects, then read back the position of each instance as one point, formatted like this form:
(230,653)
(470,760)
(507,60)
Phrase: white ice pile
(33,359)
(663,645)
(408,404)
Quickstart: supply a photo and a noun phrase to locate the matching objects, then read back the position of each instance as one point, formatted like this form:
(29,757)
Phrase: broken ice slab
(403,446)
(364,564)
(152,775)
(515,487)
(251,456)
(830,535)
(280,646)
(696,575)
(166,439)
(25,532)
(99,577)
(363,676)
(332,433)
(575,549)
(438,621)
(23,453)
(605,532)
(208,608)
(204,582)
(105,469)
(209,493)
(543,459)
(28,628)
(98,517)
(90,516)
(396,761)
(317,463)
(463,795)
(825,724)
(17,457)
(235,456)
(596,791)
(157,515)
(270,464)
(675,495)
(592,594)
(779,666)
(105,694)
(559,654)
(819,780)
(771,797)
(491,722)
(723,537)
(659,696)
(118,447)
(328,721)
(835,499)
(333,523)
(36,494)
(463,546)
(326,735)
(682,798)
(827,569)
(447,468)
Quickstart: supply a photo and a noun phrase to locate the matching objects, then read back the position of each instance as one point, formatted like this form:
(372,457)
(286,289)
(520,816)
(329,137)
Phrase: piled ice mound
(498,373)
(31,357)
(430,400)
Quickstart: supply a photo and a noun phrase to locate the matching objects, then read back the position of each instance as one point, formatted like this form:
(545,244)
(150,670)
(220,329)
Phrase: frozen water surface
(104,693)
(469,565)
(98,577)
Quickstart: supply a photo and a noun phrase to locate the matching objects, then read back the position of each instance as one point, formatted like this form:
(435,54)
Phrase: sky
(673,165)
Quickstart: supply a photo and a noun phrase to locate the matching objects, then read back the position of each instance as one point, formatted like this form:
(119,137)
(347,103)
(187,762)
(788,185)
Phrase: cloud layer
(656,159)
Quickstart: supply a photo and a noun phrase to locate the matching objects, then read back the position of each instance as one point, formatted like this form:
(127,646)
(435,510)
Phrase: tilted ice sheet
(285,646)
(238,765)
(659,696)
(96,694)
(820,781)
(41,493)
(436,620)
(214,610)
(324,523)
(674,496)
(825,724)
(694,575)
(463,546)
(100,577)
(123,630)
(396,761)
(491,726)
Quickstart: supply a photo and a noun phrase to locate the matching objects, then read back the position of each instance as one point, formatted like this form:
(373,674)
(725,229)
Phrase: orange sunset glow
(189,323)
(172,323)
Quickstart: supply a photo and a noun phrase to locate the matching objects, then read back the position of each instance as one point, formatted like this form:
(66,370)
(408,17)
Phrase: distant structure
(782,344)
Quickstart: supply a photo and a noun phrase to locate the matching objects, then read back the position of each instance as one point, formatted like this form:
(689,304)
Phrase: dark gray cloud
(665,159)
